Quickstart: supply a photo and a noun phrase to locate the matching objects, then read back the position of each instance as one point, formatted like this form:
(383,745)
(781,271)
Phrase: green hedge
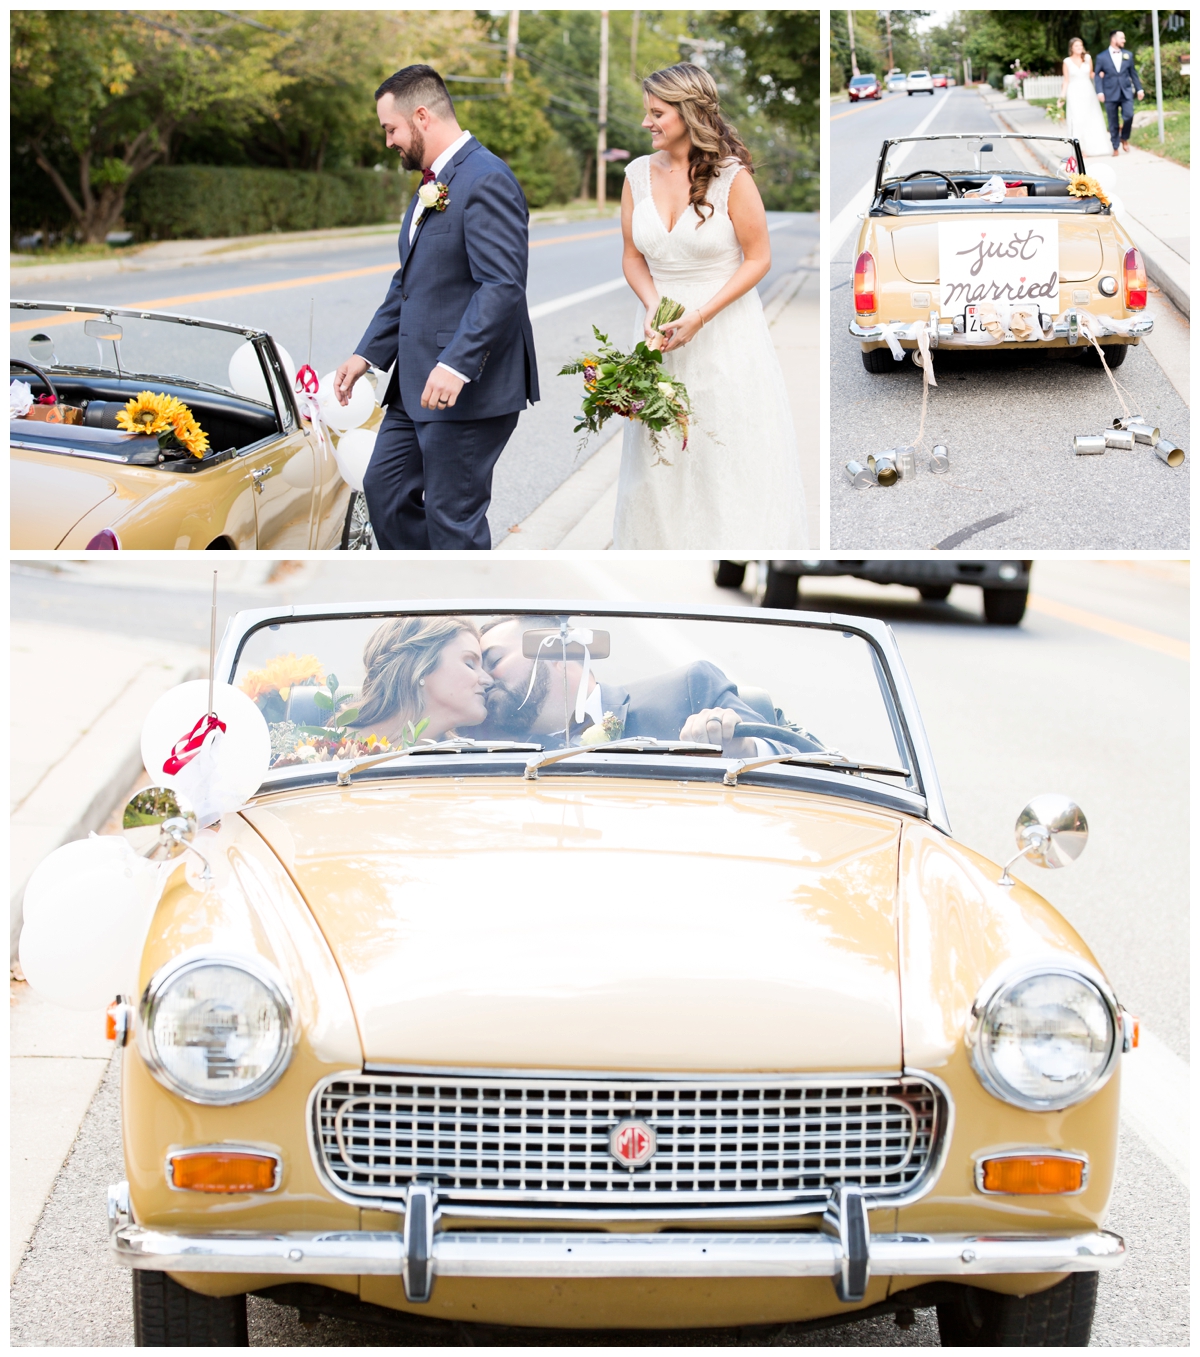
(177,202)
(1174,85)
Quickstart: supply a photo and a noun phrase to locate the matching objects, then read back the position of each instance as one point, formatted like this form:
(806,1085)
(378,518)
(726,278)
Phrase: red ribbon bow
(186,749)
(307,381)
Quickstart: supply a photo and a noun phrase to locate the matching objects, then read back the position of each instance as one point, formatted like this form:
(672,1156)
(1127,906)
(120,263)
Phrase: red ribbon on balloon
(186,749)
(307,381)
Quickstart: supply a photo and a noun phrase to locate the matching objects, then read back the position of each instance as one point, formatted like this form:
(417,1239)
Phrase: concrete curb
(1174,279)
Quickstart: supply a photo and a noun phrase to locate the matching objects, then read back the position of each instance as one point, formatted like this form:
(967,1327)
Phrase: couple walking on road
(455,330)
(1113,83)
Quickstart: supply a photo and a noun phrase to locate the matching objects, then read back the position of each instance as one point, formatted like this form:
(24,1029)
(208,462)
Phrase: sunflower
(1084,186)
(282,673)
(148,413)
(187,432)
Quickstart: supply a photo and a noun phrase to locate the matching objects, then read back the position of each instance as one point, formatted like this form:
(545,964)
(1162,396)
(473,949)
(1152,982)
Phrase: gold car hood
(615,924)
(49,494)
(915,248)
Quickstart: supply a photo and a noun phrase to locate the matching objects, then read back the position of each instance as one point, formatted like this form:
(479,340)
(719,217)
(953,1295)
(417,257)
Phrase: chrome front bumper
(950,333)
(459,1254)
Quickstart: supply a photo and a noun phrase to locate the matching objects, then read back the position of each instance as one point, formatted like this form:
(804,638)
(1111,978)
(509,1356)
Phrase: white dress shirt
(419,211)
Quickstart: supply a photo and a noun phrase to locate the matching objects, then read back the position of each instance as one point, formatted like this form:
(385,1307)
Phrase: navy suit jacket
(459,296)
(1116,84)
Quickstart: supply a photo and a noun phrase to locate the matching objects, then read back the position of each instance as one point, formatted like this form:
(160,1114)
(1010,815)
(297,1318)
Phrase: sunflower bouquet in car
(633,385)
(167,418)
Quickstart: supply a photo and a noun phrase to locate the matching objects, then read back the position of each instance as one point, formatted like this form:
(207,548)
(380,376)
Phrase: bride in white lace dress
(695,230)
(1085,117)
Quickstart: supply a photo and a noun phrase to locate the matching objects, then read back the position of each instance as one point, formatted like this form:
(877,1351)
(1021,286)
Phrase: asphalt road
(1088,696)
(1007,418)
(564,259)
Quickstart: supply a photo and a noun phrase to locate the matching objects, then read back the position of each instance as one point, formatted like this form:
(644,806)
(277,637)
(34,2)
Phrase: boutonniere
(435,196)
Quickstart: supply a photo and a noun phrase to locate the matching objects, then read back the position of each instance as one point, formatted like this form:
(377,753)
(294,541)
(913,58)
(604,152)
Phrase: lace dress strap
(721,183)
(638,174)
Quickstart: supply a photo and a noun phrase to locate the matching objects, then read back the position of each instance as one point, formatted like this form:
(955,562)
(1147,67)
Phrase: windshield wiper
(462,746)
(832,762)
(638,745)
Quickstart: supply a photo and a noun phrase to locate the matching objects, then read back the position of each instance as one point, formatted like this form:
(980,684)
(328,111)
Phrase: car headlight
(1044,1039)
(216,1029)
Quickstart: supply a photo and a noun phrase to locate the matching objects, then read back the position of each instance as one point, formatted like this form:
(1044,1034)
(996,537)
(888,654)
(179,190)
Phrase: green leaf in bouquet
(324,701)
(345,717)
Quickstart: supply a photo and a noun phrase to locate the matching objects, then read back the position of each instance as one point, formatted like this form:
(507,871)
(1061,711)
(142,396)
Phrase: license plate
(971,325)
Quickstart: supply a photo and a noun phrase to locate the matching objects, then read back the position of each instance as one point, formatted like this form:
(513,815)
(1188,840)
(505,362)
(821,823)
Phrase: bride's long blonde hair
(1071,47)
(693,93)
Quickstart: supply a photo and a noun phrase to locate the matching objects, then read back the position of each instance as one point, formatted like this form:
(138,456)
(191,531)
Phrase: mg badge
(632,1144)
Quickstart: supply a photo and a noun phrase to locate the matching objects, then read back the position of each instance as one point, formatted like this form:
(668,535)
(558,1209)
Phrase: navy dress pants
(1118,109)
(429,485)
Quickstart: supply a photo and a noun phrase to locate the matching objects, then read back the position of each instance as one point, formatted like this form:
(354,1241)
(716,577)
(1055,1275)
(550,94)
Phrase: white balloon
(353,454)
(66,864)
(356,411)
(83,945)
(246,374)
(239,760)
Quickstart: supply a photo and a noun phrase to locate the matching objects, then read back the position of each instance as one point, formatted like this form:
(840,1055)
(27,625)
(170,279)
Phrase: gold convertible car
(607,967)
(78,480)
(977,240)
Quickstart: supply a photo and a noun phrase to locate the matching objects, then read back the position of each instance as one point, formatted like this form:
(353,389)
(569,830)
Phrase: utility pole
(602,131)
(850,26)
(514,18)
(1162,134)
(887,18)
(637,14)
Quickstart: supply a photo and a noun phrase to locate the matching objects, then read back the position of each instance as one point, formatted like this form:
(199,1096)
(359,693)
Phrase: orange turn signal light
(223,1171)
(1029,1175)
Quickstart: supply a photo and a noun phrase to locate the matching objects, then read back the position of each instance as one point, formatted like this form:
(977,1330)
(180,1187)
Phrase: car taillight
(1135,281)
(864,284)
(105,540)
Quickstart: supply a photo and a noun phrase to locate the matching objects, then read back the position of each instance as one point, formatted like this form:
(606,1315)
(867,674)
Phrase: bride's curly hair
(693,93)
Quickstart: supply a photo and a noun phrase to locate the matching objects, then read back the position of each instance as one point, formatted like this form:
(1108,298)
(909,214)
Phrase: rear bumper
(458,1254)
(950,336)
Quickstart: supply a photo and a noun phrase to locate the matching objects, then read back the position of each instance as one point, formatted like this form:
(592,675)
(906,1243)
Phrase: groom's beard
(510,716)
(413,157)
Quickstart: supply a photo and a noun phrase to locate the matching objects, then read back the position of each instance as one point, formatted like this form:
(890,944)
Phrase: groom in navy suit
(454,328)
(1117,81)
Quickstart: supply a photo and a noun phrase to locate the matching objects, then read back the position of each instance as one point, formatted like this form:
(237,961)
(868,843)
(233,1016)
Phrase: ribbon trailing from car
(307,386)
(578,636)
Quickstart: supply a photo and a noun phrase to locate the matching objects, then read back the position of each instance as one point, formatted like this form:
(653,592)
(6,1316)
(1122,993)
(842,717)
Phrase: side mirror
(987,146)
(157,824)
(41,348)
(1051,831)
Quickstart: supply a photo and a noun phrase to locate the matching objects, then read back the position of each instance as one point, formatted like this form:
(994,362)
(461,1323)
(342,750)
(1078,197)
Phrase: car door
(286,474)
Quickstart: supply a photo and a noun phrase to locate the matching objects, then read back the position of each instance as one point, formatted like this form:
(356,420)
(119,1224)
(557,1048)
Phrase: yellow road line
(157,303)
(1138,636)
(833,117)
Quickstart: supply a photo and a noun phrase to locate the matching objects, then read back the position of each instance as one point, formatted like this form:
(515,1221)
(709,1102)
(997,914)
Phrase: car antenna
(312,305)
(212,646)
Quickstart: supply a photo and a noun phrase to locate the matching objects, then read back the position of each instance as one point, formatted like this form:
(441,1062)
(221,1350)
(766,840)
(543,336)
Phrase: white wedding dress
(1085,113)
(737,485)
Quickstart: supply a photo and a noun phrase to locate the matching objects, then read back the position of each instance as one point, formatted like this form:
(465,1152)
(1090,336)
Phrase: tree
(96,95)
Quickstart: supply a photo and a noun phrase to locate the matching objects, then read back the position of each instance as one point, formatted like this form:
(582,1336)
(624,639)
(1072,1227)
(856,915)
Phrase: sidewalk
(578,516)
(1155,194)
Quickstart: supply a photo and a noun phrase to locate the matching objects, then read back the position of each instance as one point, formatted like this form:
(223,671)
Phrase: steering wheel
(916,174)
(32,367)
(780,734)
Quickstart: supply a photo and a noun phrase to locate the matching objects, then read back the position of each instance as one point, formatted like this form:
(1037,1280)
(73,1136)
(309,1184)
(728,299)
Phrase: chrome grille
(532,1141)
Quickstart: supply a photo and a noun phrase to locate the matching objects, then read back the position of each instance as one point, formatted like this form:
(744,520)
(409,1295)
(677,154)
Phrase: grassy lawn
(1178,130)
(68,253)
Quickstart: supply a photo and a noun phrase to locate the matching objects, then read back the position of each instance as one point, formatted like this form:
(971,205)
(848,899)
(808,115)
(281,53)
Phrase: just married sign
(1009,262)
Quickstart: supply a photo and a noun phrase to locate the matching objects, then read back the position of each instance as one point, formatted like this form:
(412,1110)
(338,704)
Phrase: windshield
(984,154)
(336,690)
(56,339)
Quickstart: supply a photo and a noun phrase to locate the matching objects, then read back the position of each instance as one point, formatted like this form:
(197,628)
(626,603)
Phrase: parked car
(940,80)
(864,87)
(1091,264)
(919,82)
(1005,584)
(78,481)
(601,1025)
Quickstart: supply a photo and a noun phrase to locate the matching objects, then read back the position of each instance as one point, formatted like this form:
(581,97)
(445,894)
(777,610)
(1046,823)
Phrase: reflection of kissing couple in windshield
(432,678)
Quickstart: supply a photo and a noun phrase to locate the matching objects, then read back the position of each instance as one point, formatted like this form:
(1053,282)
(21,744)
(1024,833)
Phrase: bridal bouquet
(632,384)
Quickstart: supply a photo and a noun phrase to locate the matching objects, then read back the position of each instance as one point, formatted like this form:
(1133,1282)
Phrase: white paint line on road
(561,303)
(1156,1102)
(847,218)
